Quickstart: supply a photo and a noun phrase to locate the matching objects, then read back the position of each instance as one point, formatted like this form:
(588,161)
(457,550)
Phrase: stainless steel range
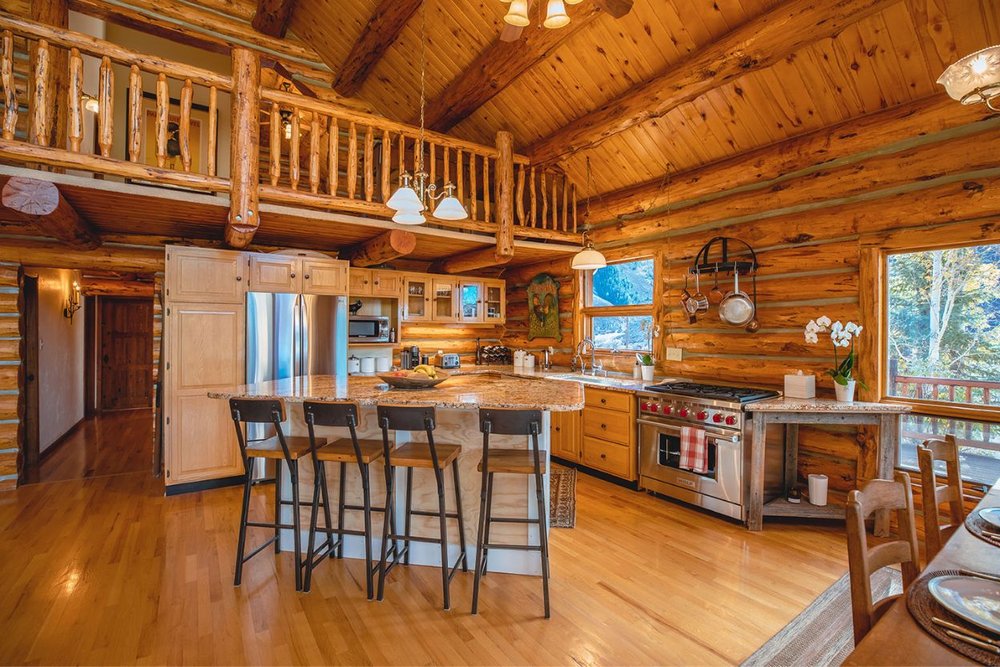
(667,407)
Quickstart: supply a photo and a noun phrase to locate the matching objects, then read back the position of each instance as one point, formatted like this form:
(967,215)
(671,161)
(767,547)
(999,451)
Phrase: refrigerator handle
(304,330)
(296,329)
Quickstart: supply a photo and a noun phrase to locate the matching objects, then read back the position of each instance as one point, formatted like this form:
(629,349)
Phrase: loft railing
(169,133)
(972,392)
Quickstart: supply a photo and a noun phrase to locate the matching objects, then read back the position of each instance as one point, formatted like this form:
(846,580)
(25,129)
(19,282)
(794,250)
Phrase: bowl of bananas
(423,376)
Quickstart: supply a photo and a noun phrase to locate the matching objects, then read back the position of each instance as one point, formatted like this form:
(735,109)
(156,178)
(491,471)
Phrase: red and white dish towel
(694,450)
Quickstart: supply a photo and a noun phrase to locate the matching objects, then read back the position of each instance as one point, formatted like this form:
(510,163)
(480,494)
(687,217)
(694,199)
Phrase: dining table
(897,638)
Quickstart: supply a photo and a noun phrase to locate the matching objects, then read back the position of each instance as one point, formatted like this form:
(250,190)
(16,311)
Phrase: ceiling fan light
(450,209)
(407,218)
(555,15)
(405,200)
(517,15)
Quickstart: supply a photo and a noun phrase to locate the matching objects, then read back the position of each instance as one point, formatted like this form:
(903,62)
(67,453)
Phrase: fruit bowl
(412,379)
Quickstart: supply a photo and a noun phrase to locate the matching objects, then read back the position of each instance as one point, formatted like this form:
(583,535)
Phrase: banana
(427,370)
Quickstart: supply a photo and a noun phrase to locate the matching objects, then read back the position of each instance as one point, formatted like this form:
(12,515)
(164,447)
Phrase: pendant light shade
(568,2)
(450,209)
(588,258)
(517,15)
(975,79)
(405,200)
(406,218)
(555,16)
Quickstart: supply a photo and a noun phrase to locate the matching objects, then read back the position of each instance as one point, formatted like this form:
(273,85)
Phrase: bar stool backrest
(407,418)
(934,494)
(879,494)
(258,411)
(511,422)
(342,414)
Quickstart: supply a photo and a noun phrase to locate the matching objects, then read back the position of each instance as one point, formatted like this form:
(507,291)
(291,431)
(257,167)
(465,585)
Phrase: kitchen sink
(594,379)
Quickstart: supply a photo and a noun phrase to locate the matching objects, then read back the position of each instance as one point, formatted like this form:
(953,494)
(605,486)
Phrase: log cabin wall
(11,382)
(449,338)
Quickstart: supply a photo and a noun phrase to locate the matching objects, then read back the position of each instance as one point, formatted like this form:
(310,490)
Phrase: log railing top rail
(99,48)
(947,382)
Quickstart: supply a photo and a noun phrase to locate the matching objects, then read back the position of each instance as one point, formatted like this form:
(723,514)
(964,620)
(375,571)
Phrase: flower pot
(845,392)
(647,373)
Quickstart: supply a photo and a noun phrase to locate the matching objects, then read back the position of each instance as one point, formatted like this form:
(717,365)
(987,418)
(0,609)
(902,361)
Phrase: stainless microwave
(368,329)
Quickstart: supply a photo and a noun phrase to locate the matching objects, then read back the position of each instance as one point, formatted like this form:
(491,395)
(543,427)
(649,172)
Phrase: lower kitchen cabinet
(565,435)
(608,440)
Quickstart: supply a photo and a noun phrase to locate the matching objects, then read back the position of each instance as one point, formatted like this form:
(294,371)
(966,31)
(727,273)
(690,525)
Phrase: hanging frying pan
(737,308)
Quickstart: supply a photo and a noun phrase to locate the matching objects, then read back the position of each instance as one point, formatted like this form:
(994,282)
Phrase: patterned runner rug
(562,497)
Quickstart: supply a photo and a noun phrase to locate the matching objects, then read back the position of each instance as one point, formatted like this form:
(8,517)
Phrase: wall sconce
(90,103)
(72,302)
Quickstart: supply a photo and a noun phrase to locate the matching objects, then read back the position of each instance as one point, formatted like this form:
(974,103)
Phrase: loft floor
(108,570)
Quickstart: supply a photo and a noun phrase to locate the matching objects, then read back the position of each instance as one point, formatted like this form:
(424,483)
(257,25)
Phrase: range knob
(644,406)
(655,407)
(667,409)
(717,418)
(701,416)
(683,412)
(730,420)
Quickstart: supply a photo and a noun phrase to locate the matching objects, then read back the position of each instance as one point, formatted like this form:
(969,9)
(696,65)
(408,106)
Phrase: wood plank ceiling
(886,59)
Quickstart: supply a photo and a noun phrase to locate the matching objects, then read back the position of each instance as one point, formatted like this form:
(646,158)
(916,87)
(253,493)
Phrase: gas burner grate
(713,392)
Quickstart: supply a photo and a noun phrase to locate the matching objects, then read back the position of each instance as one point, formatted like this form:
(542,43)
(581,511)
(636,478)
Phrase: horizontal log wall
(449,338)
(11,394)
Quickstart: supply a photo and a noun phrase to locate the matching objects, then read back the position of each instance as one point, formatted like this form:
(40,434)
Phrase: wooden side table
(792,412)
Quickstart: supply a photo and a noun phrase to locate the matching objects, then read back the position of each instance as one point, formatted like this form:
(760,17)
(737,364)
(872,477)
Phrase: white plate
(976,600)
(991,515)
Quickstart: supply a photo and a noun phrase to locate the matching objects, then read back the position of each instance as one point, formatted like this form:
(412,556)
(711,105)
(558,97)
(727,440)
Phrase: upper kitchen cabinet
(360,281)
(416,307)
(443,306)
(470,301)
(447,299)
(371,282)
(203,275)
(494,301)
(309,275)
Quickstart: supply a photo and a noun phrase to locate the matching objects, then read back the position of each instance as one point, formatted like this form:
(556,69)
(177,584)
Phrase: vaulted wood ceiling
(889,57)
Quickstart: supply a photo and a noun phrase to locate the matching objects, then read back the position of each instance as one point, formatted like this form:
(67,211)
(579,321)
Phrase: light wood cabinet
(565,435)
(360,282)
(608,440)
(205,352)
(202,275)
(308,275)
(494,301)
(444,300)
(417,298)
(387,283)
(324,276)
(470,299)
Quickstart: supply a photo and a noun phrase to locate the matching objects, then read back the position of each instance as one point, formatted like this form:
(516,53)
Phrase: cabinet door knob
(558,429)
(307,276)
(604,456)
(293,275)
(603,400)
(239,278)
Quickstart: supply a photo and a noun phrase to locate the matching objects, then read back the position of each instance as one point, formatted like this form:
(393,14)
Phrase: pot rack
(723,264)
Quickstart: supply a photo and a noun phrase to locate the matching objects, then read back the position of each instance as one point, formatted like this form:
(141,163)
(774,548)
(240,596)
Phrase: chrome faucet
(595,366)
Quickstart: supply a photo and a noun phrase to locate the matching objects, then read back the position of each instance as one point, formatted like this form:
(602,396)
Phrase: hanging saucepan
(737,308)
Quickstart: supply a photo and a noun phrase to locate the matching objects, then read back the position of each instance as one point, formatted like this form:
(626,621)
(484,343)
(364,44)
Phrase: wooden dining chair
(879,494)
(934,494)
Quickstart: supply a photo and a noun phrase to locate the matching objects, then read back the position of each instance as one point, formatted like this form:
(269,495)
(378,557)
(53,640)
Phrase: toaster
(450,361)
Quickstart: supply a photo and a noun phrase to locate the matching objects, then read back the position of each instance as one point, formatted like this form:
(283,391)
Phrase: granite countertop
(613,381)
(822,405)
(482,388)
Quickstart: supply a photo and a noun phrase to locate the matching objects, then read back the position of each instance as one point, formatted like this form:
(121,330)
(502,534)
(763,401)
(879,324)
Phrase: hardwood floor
(112,443)
(107,570)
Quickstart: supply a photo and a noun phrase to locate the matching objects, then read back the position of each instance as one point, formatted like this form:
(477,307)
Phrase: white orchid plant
(842,336)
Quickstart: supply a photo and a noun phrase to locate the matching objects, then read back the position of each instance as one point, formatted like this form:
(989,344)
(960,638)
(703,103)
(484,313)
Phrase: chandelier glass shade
(517,14)
(555,12)
(975,79)
(555,15)
(588,258)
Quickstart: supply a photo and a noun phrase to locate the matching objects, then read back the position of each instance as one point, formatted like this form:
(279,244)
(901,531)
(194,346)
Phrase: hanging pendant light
(975,79)
(555,15)
(517,15)
(589,257)
(411,198)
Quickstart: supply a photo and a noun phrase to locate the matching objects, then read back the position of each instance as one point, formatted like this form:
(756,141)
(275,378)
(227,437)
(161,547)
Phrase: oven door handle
(676,430)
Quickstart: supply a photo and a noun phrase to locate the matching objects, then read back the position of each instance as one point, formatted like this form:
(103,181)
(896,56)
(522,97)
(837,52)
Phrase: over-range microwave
(368,329)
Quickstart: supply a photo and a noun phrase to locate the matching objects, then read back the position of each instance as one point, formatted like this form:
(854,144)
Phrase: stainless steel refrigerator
(294,334)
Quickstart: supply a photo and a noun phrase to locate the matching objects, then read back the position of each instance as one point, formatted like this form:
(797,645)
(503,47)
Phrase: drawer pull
(604,456)
(604,426)
(604,400)
(558,429)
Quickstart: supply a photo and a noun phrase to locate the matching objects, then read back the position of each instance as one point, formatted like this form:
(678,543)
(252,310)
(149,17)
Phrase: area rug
(823,634)
(562,497)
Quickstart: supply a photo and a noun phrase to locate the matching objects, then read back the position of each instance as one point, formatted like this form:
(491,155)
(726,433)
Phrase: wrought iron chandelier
(416,193)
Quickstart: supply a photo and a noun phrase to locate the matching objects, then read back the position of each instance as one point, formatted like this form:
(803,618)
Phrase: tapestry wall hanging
(543,308)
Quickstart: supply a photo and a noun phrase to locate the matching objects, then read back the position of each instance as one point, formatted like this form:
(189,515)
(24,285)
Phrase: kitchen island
(457,402)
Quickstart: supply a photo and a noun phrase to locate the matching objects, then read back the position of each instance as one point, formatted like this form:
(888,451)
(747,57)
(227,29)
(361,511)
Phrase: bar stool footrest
(511,519)
(516,547)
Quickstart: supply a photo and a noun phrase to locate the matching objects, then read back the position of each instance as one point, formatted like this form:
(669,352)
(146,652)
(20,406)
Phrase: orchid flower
(841,336)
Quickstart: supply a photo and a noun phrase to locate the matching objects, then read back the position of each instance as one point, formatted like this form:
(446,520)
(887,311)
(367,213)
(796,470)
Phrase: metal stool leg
(543,538)
(340,509)
(244,513)
(387,523)
(293,468)
(406,520)
(445,565)
(461,519)
(277,507)
(318,481)
(489,516)
(366,493)
(483,518)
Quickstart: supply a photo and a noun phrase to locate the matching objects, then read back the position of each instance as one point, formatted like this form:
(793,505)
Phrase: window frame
(590,311)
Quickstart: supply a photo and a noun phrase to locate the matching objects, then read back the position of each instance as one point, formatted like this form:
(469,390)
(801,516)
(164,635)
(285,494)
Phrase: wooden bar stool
(514,462)
(879,495)
(287,450)
(363,453)
(436,457)
(934,494)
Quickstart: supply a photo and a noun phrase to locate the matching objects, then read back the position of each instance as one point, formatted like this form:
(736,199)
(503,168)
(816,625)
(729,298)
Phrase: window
(943,351)
(619,301)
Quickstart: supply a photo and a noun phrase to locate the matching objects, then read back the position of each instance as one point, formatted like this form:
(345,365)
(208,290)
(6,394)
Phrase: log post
(333,156)
(505,198)
(105,101)
(75,100)
(162,118)
(135,115)
(184,131)
(39,100)
(244,153)
(42,202)
(54,13)
(314,137)
(9,89)
(382,248)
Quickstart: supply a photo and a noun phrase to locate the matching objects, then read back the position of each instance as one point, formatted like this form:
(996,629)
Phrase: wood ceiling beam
(271,17)
(846,142)
(382,248)
(383,28)
(52,254)
(470,261)
(754,46)
(498,66)
(112,287)
(50,212)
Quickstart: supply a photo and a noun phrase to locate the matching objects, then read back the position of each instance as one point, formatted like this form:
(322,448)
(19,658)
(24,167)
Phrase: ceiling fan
(522,9)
